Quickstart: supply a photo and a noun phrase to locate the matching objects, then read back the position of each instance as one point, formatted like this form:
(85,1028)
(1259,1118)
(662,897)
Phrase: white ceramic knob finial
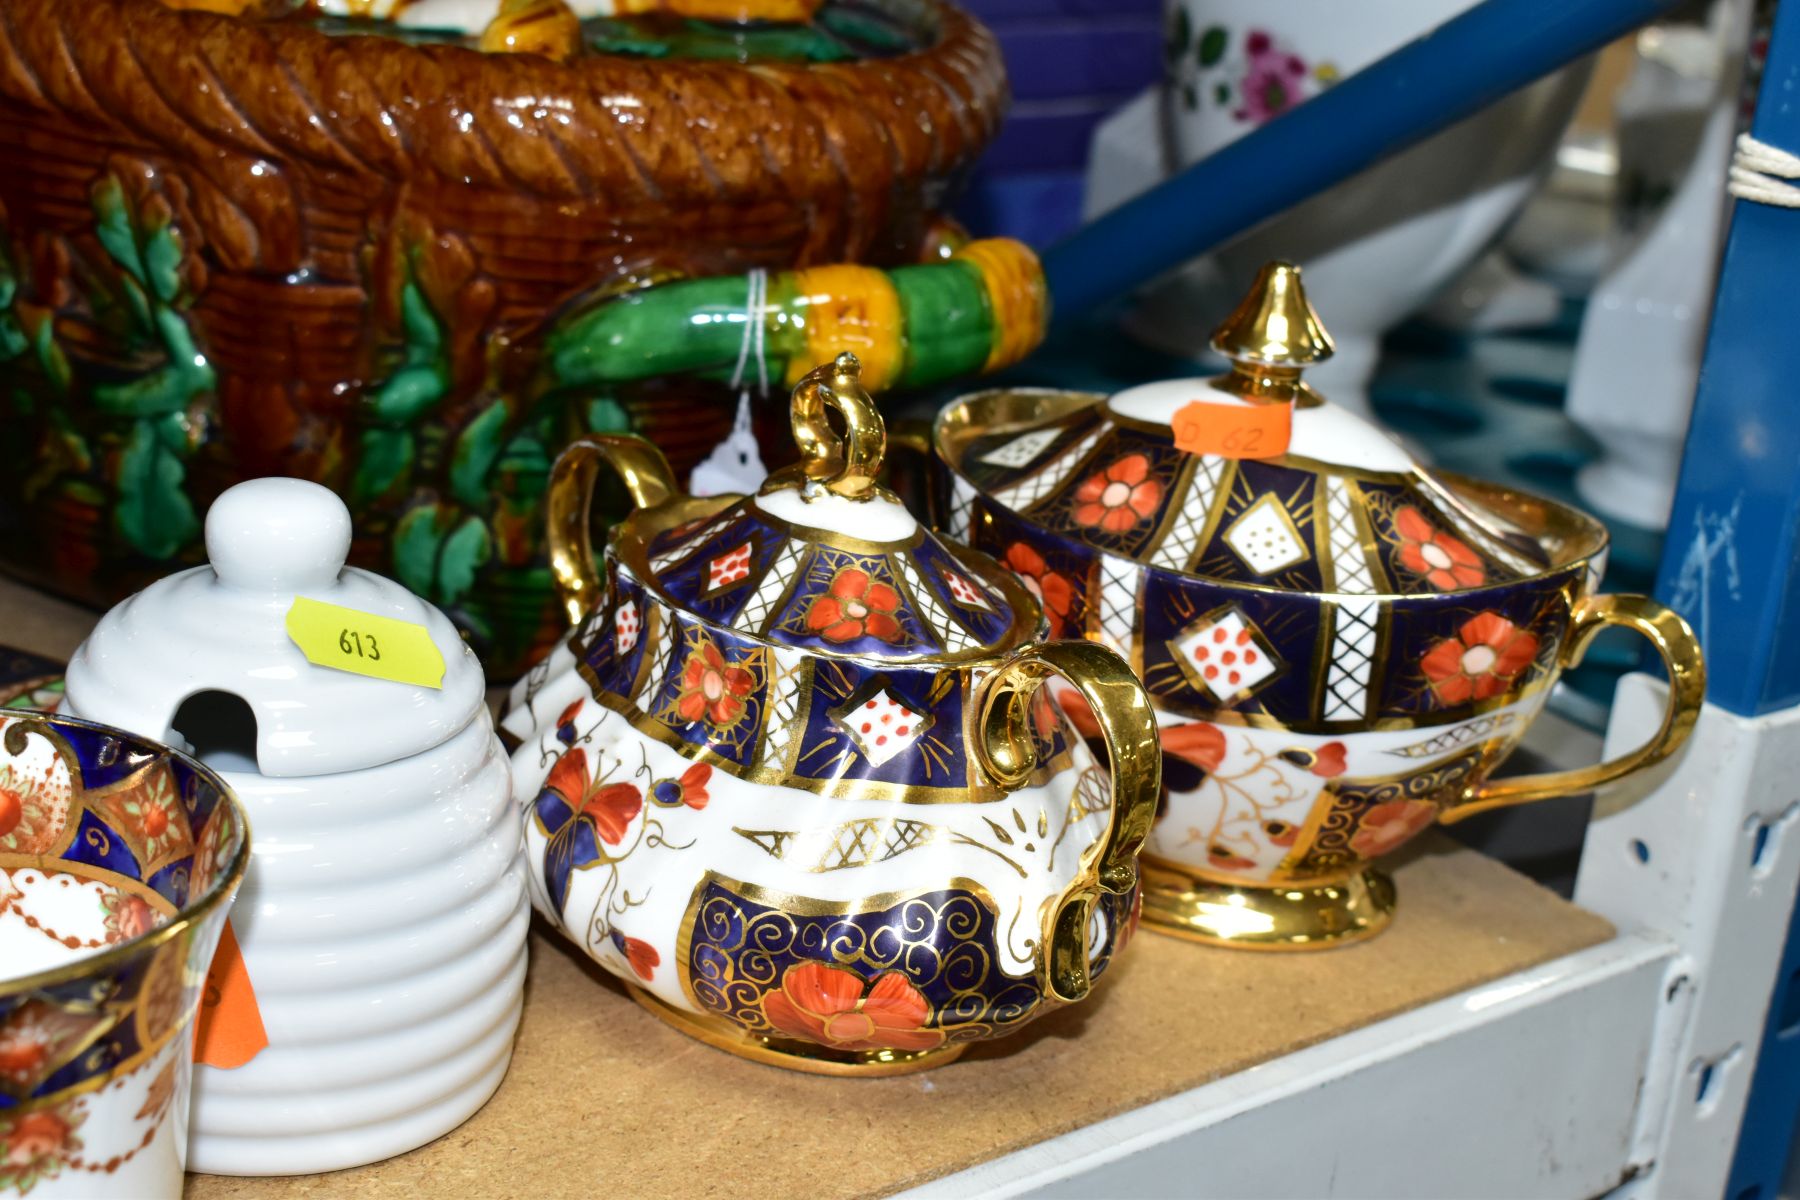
(278,535)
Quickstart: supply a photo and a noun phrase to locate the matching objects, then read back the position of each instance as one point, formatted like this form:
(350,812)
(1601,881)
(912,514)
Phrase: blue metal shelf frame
(1732,561)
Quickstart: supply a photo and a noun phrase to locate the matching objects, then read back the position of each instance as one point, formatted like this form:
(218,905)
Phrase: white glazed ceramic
(795,779)
(118,862)
(1377,246)
(383,918)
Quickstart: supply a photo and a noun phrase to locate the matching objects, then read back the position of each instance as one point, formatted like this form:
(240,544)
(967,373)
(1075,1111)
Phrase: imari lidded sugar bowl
(795,777)
(119,858)
(1341,645)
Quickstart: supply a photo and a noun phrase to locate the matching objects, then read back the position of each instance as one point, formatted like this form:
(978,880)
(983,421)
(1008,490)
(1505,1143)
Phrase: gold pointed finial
(1270,337)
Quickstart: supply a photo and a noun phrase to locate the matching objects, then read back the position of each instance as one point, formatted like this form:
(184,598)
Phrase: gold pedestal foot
(1314,917)
(796,1055)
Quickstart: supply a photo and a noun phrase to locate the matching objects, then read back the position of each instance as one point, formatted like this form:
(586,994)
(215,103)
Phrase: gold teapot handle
(648,479)
(1680,652)
(1006,749)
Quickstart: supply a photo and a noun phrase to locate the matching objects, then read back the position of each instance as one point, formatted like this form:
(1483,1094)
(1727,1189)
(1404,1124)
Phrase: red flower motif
(12,808)
(569,714)
(1328,760)
(611,808)
(1118,497)
(35,1136)
(690,789)
(1225,859)
(129,917)
(1388,825)
(1198,742)
(711,689)
(640,954)
(1426,550)
(853,605)
(826,1004)
(569,778)
(1055,594)
(155,820)
(21,1054)
(1482,660)
(1281,833)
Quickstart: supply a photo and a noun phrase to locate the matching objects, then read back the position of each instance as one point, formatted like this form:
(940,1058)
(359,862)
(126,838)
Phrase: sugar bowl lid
(1251,477)
(223,627)
(825,559)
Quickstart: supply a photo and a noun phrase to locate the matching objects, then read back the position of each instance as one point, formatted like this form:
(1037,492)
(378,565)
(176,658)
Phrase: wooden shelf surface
(603,1098)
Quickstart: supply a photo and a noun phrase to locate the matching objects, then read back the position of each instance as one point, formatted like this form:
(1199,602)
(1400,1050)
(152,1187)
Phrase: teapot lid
(223,627)
(823,558)
(1250,477)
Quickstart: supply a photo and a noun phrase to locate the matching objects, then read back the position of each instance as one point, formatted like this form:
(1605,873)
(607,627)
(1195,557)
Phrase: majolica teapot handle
(1679,650)
(1007,751)
(648,479)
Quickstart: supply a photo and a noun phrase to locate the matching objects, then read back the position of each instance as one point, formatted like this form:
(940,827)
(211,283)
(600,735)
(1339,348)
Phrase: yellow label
(345,639)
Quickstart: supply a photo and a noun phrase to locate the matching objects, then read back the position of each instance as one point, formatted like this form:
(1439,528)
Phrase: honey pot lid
(223,627)
(825,559)
(1251,477)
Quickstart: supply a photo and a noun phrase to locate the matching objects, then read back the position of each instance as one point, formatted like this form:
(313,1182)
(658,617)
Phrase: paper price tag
(228,1029)
(1234,430)
(346,639)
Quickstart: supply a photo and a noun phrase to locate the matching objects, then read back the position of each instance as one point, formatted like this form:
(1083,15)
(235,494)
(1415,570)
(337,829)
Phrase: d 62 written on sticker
(1233,430)
(347,639)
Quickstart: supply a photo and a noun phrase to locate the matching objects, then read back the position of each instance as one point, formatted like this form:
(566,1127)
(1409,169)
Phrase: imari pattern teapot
(1341,644)
(795,776)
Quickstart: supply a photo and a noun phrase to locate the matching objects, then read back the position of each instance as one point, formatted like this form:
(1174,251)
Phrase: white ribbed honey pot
(383,916)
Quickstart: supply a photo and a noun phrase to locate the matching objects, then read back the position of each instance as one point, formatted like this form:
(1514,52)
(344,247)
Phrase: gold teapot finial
(1270,337)
(847,466)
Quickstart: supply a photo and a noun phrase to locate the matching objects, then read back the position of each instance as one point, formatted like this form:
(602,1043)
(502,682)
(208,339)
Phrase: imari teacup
(119,859)
(1341,645)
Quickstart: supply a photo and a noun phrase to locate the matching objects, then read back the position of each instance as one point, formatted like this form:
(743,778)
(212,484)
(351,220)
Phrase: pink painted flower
(1274,80)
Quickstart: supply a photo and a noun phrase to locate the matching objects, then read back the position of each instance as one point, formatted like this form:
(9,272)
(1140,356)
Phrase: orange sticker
(1234,430)
(228,1030)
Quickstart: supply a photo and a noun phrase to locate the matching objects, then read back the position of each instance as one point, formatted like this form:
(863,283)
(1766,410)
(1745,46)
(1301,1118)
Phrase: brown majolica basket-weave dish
(234,247)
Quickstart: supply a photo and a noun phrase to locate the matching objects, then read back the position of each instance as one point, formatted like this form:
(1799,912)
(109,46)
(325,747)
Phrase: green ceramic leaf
(50,355)
(606,415)
(1181,32)
(473,456)
(113,227)
(464,552)
(153,513)
(1222,94)
(409,393)
(162,262)
(863,28)
(424,336)
(386,454)
(1212,45)
(416,541)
